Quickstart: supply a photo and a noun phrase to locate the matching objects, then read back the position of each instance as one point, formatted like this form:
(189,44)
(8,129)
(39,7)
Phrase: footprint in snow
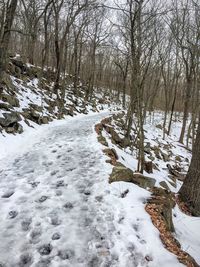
(42,199)
(59,193)
(12,214)
(54,220)
(44,263)
(35,235)
(25,224)
(25,260)
(34,184)
(45,249)
(54,172)
(66,254)
(60,183)
(56,236)
(68,206)
(8,194)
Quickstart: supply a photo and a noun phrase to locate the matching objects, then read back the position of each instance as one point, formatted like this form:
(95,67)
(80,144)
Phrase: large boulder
(16,128)
(143,181)
(9,119)
(5,106)
(19,64)
(7,82)
(44,120)
(11,100)
(122,173)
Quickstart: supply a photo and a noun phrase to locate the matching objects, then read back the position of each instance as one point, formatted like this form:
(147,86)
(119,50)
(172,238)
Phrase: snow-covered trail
(57,208)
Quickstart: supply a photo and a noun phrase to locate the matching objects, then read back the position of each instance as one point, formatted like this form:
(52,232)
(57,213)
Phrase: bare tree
(6,34)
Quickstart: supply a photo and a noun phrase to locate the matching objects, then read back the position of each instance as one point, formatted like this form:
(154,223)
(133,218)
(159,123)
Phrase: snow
(186,227)
(187,232)
(54,182)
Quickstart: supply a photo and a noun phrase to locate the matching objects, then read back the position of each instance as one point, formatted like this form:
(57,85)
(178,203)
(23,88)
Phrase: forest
(99,133)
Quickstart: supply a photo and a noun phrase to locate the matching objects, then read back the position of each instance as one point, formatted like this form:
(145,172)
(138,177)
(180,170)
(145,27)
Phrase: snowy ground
(186,227)
(57,208)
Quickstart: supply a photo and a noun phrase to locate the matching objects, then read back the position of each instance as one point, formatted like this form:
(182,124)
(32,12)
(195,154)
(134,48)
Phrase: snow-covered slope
(27,96)
(160,152)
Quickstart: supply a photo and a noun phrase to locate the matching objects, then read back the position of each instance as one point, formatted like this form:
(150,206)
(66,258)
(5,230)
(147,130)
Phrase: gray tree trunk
(190,190)
(6,36)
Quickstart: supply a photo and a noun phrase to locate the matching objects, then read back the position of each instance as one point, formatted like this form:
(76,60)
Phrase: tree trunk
(6,35)
(186,108)
(190,190)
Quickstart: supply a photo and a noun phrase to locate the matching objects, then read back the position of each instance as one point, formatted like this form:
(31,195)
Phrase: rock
(125,142)
(17,72)
(6,81)
(114,136)
(164,202)
(102,101)
(45,249)
(10,99)
(147,148)
(5,106)
(156,150)
(70,112)
(9,119)
(36,107)
(102,140)
(165,156)
(33,72)
(164,185)
(112,154)
(151,158)
(173,184)
(99,128)
(34,114)
(143,181)
(175,173)
(10,130)
(178,158)
(31,114)
(18,63)
(121,173)
(19,128)
(148,166)
(159,126)
(44,120)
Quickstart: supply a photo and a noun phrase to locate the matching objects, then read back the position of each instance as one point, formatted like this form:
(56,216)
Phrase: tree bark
(190,190)
(6,36)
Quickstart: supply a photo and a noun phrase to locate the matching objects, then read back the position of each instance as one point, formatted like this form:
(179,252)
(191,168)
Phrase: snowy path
(57,208)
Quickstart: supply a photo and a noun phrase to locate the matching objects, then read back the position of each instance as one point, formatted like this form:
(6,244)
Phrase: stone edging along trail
(159,206)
